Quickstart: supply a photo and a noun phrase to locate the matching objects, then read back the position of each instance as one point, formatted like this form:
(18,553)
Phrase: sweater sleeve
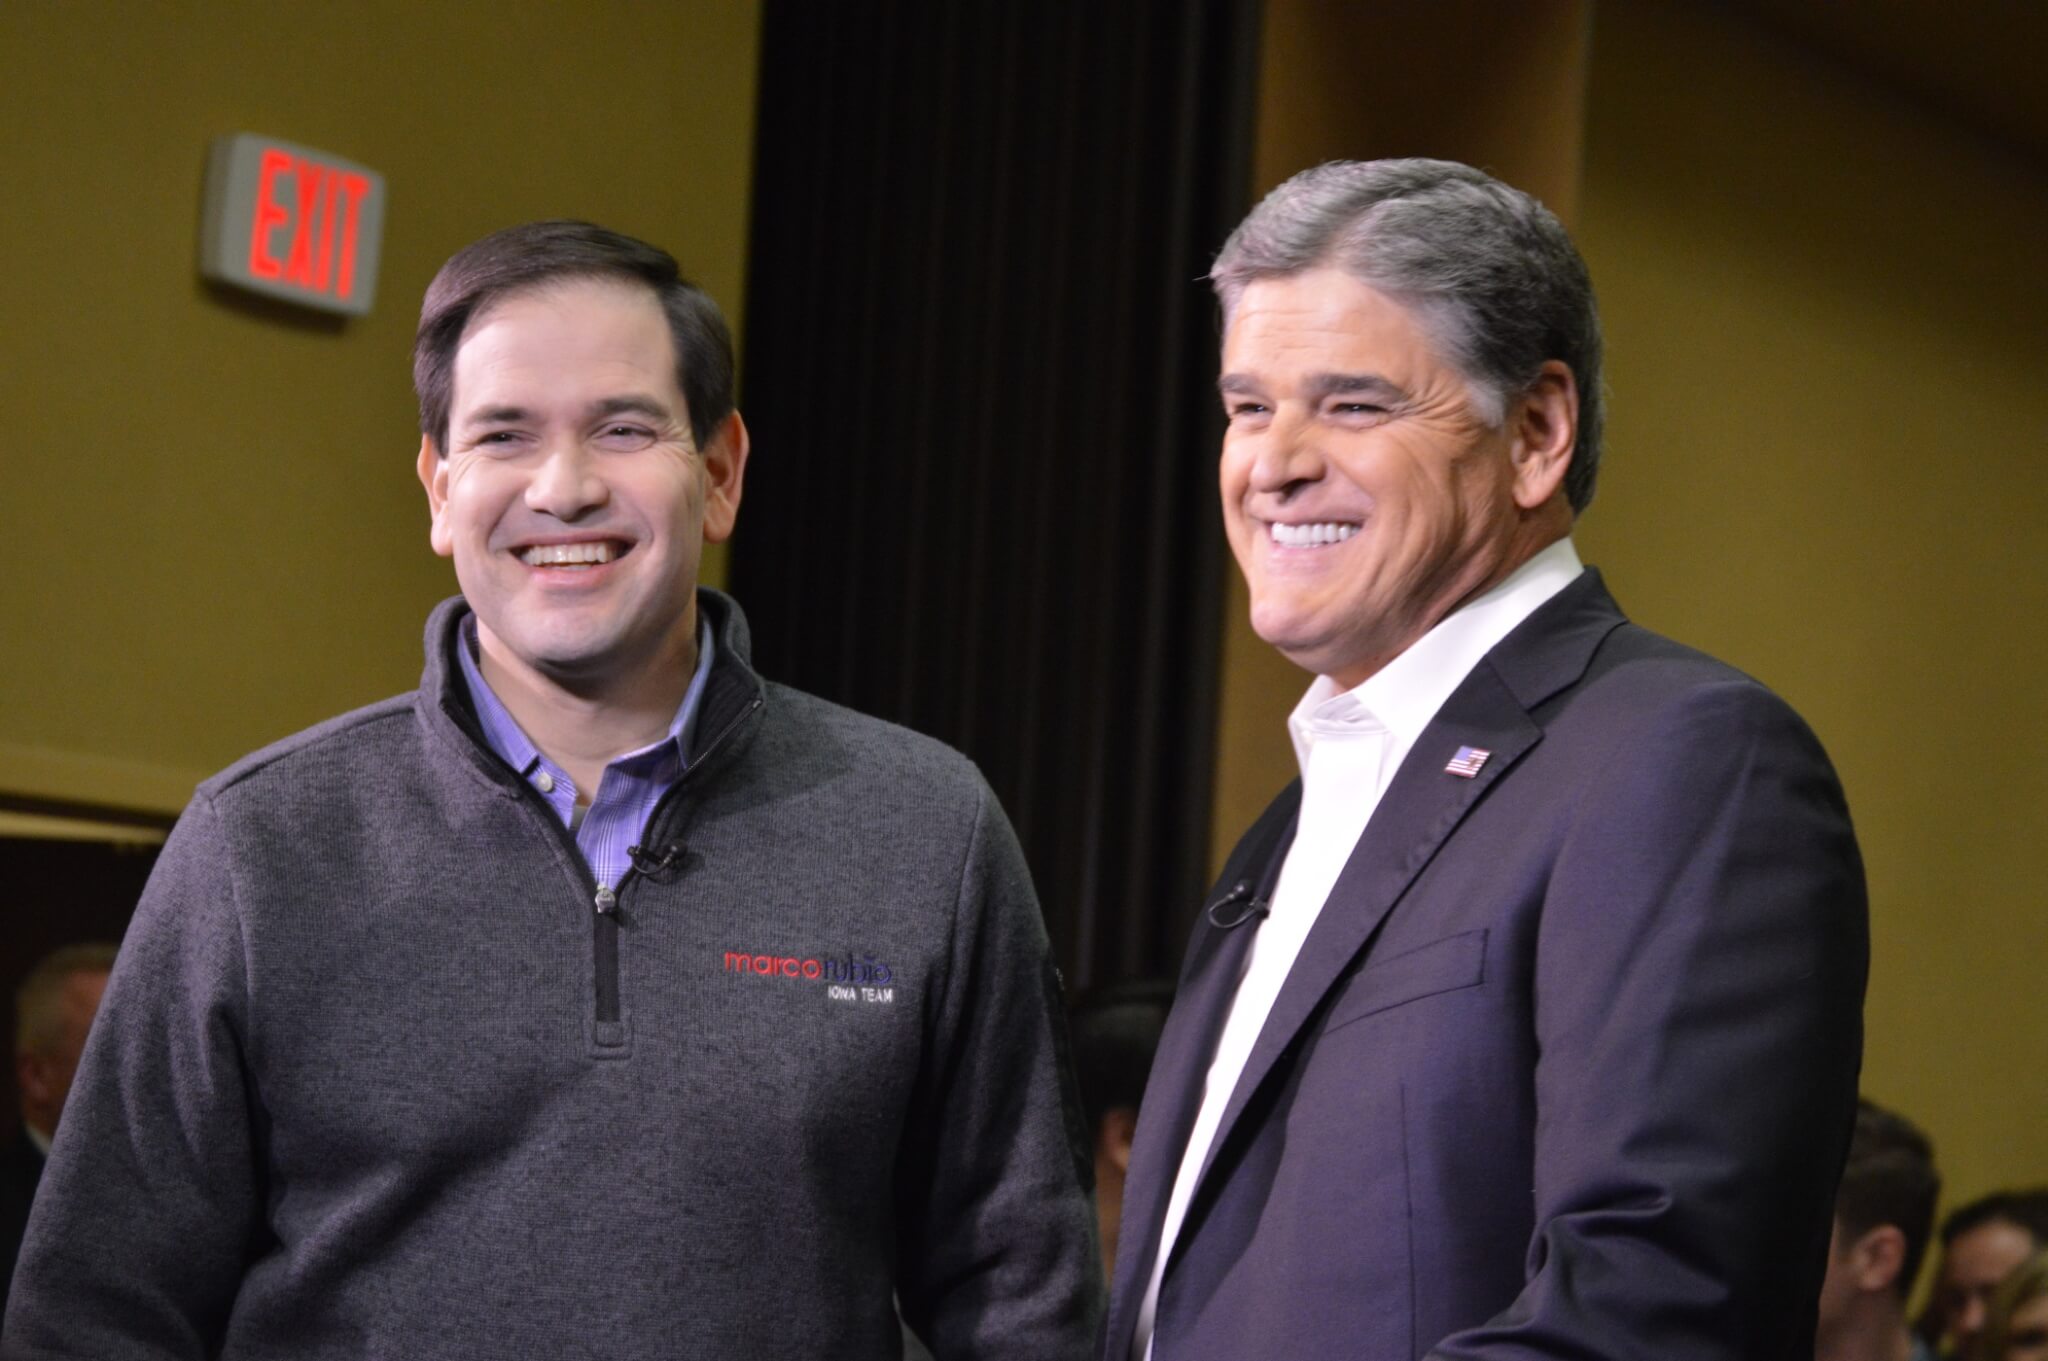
(150,1205)
(997,1253)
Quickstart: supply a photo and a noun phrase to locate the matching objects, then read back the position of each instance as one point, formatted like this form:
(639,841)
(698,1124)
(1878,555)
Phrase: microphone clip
(659,866)
(1249,907)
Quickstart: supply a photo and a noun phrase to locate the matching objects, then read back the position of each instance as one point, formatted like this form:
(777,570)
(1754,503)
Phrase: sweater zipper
(604,947)
(604,943)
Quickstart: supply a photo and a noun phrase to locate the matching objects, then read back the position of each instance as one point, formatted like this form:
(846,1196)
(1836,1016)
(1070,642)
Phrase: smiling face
(1364,493)
(2027,1334)
(572,496)
(1975,1263)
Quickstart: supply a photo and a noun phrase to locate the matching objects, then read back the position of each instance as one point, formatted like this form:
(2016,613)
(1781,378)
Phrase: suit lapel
(1173,1091)
(1490,711)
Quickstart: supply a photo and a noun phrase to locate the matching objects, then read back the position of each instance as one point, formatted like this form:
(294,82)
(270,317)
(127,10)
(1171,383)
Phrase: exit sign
(291,222)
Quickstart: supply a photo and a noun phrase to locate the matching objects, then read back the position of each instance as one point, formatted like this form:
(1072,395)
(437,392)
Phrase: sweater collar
(732,692)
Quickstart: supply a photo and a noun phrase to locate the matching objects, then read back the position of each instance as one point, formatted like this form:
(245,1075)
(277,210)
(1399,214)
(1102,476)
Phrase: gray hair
(38,1002)
(1489,272)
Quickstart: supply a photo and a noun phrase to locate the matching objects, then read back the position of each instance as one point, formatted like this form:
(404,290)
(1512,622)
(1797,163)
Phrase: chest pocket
(1441,966)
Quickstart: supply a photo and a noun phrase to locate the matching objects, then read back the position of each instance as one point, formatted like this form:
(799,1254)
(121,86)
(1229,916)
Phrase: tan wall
(1825,319)
(214,536)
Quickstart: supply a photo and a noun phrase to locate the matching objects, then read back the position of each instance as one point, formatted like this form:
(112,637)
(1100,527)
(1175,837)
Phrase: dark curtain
(979,371)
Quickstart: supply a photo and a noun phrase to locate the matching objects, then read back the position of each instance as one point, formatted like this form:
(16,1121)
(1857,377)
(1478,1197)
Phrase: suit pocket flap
(1441,966)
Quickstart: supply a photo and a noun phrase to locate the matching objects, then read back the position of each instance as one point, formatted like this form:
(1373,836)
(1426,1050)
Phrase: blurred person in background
(2016,1321)
(1884,1216)
(1981,1243)
(53,1012)
(1116,1033)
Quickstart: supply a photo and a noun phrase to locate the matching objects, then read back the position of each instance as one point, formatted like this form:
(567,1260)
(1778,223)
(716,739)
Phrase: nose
(568,483)
(1286,455)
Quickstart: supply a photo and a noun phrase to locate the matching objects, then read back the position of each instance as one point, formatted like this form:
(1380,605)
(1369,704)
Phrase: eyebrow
(495,415)
(636,403)
(632,402)
(1320,385)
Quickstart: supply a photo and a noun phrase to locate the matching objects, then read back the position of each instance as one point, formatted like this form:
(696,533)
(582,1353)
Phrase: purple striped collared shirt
(630,787)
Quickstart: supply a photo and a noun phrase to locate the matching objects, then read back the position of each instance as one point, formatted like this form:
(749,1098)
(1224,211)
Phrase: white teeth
(1311,536)
(567,554)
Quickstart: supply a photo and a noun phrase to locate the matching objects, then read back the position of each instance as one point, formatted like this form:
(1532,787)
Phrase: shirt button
(544,782)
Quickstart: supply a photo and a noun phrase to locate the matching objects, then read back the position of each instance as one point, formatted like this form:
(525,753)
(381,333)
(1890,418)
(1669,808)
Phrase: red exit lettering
(327,202)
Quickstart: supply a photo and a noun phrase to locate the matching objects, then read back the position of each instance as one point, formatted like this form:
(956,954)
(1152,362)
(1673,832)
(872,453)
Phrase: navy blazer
(1567,1065)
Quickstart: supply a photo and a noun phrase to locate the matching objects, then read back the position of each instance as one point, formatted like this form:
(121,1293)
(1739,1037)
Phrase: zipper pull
(606,900)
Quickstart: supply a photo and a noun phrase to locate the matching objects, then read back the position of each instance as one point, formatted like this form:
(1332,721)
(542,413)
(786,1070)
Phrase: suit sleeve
(151,1201)
(997,1253)
(1698,988)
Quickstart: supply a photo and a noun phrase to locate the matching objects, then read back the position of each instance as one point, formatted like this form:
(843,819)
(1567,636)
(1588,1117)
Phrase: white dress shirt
(1349,744)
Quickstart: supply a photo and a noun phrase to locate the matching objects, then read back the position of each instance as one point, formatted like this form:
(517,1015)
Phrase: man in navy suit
(1527,1023)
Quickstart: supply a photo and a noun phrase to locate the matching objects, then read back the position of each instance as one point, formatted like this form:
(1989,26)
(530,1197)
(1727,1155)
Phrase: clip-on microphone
(658,867)
(1253,907)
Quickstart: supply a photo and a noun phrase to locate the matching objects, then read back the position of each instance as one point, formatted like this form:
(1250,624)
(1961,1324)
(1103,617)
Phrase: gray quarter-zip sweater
(375,1078)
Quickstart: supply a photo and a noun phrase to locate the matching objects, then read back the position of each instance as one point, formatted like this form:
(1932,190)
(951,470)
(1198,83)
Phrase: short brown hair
(1889,1179)
(526,257)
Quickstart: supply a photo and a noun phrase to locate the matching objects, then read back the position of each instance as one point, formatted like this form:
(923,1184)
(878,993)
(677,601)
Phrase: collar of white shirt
(1405,694)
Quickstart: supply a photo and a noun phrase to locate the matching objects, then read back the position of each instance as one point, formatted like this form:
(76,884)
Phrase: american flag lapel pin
(1467,762)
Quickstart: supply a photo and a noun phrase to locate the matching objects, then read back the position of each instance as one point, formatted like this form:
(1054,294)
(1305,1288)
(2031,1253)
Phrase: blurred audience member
(53,1009)
(1981,1243)
(1884,1215)
(1115,1030)
(2016,1324)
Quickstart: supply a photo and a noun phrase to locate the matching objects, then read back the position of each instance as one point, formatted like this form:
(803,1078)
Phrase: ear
(1545,426)
(725,469)
(433,470)
(1113,1139)
(1879,1254)
(32,1078)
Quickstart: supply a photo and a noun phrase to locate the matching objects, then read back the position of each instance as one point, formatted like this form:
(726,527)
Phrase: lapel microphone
(1250,907)
(1251,903)
(658,866)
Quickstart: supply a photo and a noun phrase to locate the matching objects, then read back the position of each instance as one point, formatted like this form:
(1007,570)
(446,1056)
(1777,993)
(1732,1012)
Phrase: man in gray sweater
(597,999)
